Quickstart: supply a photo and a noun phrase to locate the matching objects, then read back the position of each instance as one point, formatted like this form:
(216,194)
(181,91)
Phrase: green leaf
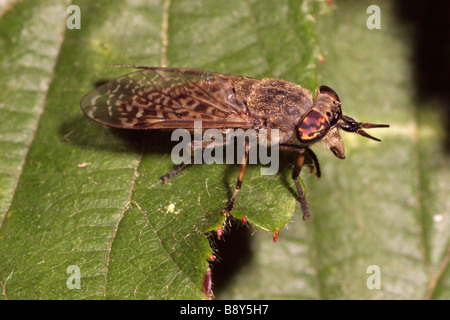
(75,193)
(90,196)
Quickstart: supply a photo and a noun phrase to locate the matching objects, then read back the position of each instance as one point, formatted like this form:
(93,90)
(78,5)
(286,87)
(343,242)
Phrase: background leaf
(90,196)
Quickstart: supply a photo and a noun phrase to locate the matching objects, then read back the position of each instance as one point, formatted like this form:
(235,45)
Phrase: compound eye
(337,113)
(330,92)
(312,128)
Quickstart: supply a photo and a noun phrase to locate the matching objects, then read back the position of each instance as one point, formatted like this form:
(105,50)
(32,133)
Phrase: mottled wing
(156,98)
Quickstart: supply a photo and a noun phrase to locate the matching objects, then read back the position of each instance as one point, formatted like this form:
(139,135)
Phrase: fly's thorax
(274,100)
(277,103)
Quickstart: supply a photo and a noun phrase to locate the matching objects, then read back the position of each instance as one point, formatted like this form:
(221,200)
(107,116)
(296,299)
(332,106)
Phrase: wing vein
(226,108)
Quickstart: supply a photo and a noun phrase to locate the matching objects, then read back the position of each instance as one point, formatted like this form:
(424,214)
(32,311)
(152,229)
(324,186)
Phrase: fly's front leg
(315,161)
(311,154)
(295,174)
(228,209)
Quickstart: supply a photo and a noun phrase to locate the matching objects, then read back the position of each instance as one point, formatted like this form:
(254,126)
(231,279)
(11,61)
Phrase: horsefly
(173,98)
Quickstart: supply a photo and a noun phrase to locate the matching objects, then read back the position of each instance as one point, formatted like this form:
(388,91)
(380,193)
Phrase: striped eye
(312,128)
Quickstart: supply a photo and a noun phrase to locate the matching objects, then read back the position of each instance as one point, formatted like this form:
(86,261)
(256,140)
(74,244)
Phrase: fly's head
(325,118)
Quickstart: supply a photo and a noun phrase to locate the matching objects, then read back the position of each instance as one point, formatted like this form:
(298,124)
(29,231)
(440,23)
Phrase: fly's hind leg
(177,170)
(170,174)
(183,165)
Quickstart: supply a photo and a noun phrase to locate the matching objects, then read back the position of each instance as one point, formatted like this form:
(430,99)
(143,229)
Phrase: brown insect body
(170,98)
(277,104)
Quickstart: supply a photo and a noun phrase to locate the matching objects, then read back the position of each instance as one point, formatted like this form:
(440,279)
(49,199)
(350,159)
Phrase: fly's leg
(169,175)
(315,161)
(228,209)
(295,174)
(183,165)
(311,154)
